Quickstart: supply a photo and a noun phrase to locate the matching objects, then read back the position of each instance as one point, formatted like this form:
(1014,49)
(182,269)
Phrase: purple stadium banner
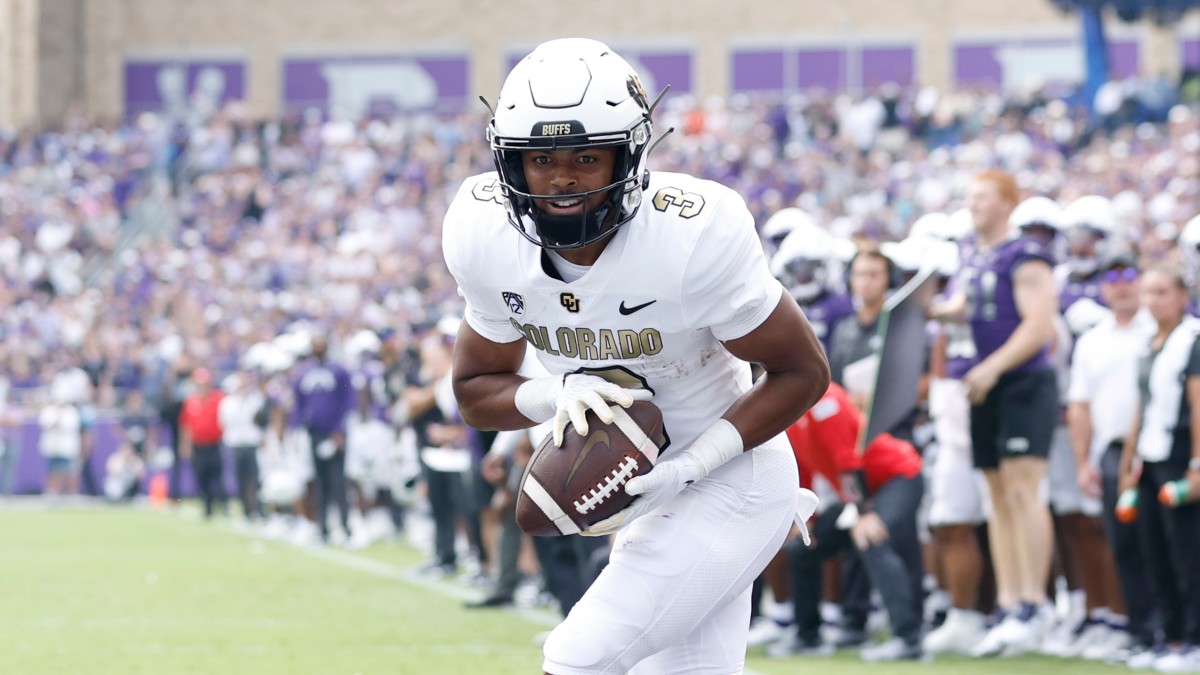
(758,70)
(27,472)
(355,86)
(177,85)
(1191,52)
(1014,62)
(657,68)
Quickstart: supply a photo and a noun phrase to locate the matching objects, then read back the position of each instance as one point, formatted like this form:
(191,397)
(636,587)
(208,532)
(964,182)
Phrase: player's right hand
(582,392)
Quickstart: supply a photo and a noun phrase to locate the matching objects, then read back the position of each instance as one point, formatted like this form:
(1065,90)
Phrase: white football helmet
(1189,249)
(920,251)
(802,263)
(1037,212)
(959,225)
(932,225)
(783,222)
(1089,224)
(571,93)
(1040,218)
(362,345)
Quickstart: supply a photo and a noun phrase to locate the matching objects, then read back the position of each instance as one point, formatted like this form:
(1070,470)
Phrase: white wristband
(718,444)
(537,398)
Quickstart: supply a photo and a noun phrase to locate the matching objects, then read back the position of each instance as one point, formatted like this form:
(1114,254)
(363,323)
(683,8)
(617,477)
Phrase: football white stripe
(634,433)
(546,503)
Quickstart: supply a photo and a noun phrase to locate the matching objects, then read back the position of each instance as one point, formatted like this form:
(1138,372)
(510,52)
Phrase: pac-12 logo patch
(516,304)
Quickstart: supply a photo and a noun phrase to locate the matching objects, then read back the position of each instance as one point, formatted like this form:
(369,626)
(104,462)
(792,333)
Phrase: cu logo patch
(569,301)
(487,192)
(689,203)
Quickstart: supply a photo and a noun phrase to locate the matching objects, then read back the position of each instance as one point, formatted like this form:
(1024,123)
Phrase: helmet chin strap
(567,232)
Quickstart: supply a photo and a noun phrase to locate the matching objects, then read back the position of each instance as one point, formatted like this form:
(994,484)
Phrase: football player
(784,222)
(804,264)
(1089,224)
(1009,301)
(1081,552)
(632,284)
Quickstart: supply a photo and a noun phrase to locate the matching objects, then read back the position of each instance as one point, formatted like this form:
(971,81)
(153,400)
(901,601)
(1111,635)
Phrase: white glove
(663,482)
(806,506)
(717,445)
(569,398)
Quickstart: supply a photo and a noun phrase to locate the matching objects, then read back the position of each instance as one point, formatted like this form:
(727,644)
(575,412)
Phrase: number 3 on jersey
(690,204)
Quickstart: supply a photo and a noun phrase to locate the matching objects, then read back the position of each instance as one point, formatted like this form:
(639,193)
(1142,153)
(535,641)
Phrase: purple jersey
(992,306)
(825,312)
(370,383)
(960,345)
(324,397)
(1075,289)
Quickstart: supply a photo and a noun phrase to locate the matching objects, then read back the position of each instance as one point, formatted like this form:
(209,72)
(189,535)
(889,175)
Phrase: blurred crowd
(199,285)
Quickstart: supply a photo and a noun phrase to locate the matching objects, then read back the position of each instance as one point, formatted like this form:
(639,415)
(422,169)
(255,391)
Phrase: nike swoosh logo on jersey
(592,441)
(626,311)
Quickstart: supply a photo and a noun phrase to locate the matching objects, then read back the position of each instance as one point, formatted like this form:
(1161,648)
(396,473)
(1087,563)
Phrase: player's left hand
(664,481)
(979,381)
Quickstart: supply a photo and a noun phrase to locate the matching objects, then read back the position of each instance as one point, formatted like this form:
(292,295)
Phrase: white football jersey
(687,272)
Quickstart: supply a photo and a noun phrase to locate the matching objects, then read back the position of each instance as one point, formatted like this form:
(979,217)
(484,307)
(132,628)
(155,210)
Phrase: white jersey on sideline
(686,273)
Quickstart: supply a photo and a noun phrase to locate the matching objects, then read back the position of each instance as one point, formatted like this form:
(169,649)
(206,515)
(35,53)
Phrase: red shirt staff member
(880,489)
(200,438)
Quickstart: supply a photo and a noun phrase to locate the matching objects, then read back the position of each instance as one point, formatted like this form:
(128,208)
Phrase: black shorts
(1016,419)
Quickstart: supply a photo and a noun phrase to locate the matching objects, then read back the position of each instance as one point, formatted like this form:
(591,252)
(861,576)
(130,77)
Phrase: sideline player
(631,284)
(1009,300)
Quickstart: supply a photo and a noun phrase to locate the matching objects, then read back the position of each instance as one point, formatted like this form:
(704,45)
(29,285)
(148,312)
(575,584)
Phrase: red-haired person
(1007,296)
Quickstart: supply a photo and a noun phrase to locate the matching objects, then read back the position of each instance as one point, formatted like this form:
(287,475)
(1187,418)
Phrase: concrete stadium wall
(18,62)
(87,46)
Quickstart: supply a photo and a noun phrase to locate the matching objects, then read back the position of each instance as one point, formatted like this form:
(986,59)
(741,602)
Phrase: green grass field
(135,591)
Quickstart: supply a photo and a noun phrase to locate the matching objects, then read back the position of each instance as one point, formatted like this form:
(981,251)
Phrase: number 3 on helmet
(572,93)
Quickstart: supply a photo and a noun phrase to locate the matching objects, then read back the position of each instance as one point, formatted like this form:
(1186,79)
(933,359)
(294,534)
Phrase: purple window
(758,70)
(821,69)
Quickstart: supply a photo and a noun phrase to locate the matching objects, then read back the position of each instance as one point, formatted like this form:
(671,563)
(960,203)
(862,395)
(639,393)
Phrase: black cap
(1119,260)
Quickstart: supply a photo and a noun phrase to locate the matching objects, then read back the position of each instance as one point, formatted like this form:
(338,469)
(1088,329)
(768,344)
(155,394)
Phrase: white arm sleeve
(727,285)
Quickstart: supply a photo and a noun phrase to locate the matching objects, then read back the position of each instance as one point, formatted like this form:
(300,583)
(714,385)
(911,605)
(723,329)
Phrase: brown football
(564,490)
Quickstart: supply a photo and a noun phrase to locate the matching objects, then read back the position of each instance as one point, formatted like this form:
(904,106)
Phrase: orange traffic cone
(158,490)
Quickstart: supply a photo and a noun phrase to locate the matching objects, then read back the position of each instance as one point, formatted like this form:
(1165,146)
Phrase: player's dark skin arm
(796,375)
(486,381)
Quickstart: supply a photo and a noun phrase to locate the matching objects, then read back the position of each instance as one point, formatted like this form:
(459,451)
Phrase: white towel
(1166,392)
